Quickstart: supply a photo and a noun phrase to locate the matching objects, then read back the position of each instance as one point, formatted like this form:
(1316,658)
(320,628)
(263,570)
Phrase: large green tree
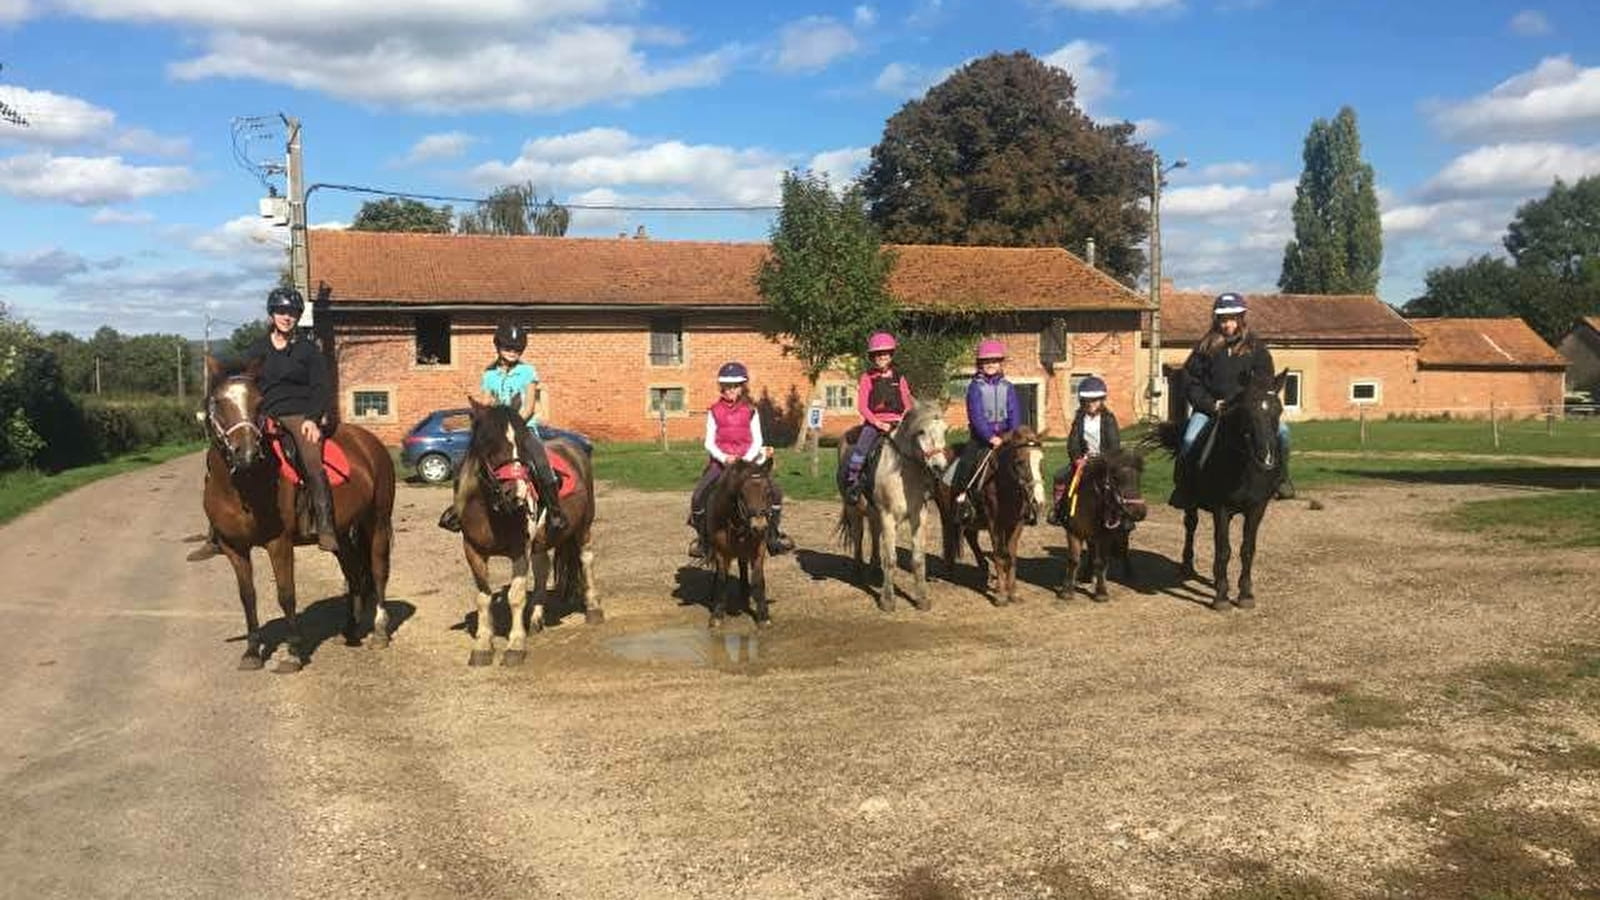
(1553,275)
(826,279)
(517,209)
(403,214)
(1338,236)
(1000,154)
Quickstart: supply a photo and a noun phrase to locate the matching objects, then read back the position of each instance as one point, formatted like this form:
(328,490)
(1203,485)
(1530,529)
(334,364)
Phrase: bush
(114,427)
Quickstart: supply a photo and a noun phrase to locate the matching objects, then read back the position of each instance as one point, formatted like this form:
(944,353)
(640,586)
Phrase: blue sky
(123,203)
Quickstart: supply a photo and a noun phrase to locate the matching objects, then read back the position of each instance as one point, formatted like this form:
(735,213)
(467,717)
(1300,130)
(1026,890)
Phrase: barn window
(667,399)
(666,341)
(433,340)
(1291,391)
(839,396)
(369,404)
(1365,391)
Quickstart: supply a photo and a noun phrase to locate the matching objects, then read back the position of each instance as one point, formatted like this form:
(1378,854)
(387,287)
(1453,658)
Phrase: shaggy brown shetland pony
(1109,502)
(250,505)
(1007,500)
(500,517)
(737,512)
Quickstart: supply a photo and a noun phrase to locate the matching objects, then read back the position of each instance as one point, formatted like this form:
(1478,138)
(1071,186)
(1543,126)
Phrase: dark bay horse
(249,505)
(903,484)
(1109,501)
(1007,501)
(1234,470)
(737,512)
(500,517)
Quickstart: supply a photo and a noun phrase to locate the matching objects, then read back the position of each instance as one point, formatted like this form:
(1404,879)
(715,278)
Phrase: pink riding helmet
(991,349)
(880,342)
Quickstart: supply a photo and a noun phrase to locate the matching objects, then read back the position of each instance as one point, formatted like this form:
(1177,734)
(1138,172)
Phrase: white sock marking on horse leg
(516,598)
(485,638)
(540,563)
(586,557)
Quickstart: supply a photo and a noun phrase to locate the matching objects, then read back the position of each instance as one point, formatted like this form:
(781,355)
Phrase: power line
(445,198)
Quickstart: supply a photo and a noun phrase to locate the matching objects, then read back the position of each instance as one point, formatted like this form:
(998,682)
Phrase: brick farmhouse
(1581,347)
(628,334)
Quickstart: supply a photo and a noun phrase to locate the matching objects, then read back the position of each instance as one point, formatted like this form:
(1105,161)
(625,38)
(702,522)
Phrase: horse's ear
(213,368)
(474,408)
(252,369)
(765,466)
(516,403)
(1278,382)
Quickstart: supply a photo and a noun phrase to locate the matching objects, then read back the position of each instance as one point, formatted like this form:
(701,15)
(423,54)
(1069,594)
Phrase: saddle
(1110,519)
(869,467)
(516,470)
(334,462)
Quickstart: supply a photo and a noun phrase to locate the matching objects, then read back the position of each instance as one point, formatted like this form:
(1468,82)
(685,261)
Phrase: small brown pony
(1010,499)
(499,517)
(737,512)
(1109,501)
(249,505)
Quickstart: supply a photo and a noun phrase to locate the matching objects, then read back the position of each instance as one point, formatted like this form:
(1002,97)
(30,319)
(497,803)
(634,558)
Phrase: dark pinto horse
(1233,470)
(1109,502)
(737,512)
(250,505)
(500,516)
(1008,500)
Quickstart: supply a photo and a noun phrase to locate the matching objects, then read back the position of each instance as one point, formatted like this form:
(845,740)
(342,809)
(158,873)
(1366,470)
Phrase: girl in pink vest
(883,397)
(733,431)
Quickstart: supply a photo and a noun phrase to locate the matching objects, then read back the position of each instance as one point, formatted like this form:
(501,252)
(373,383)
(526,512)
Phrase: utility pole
(180,370)
(1154,392)
(205,369)
(97,375)
(299,266)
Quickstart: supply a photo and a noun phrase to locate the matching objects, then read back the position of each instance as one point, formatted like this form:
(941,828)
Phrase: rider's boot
(1286,486)
(322,512)
(777,541)
(450,520)
(550,496)
(207,550)
(697,547)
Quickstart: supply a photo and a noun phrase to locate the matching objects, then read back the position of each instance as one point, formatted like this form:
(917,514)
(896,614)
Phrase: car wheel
(434,468)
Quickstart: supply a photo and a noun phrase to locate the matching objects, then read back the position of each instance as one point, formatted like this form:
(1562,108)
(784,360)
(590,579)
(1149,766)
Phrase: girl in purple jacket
(993,412)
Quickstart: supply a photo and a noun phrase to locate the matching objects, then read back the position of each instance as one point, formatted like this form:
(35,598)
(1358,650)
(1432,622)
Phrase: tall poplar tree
(1338,236)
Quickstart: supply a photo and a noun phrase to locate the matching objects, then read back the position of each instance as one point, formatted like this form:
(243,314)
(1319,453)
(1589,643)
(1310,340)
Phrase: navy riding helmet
(510,336)
(1092,388)
(285,300)
(733,373)
(1229,304)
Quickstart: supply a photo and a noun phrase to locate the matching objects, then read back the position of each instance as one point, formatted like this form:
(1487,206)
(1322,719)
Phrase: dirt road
(1405,703)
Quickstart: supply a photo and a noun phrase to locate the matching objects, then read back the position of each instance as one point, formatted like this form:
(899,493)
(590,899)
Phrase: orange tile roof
(1312,318)
(377,267)
(1483,343)
(1593,322)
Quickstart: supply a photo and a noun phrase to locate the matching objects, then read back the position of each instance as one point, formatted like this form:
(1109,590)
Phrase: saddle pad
(566,475)
(334,463)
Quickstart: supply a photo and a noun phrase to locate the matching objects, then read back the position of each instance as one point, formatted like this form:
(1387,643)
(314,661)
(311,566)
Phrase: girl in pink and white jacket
(733,432)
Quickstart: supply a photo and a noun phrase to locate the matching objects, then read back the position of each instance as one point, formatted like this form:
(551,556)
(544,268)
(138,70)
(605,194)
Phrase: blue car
(436,445)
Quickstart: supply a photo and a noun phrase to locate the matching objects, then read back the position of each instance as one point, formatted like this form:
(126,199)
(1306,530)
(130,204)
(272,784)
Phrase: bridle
(501,480)
(922,457)
(1115,506)
(220,434)
(743,514)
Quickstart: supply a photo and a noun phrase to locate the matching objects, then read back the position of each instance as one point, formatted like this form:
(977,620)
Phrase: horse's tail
(1166,436)
(569,584)
(950,531)
(848,529)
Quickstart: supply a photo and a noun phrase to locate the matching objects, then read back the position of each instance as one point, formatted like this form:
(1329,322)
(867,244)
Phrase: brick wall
(597,373)
(1327,375)
(1467,393)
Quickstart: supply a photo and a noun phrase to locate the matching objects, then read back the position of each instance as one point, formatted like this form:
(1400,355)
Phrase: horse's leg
(1220,520)
(719,591)
(1191,520)
(758,587)
(378,549)
(1247,555)
(1011,563)
(1100,557)
(483,641)
(744,586)
(281,551)
(593,612)
(352,552)
(539,565)
(884,543)
(1069,578)
(517,601)
(244,573)
(978,555)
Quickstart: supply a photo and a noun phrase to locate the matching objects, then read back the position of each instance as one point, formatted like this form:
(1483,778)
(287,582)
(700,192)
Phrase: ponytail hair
(1214,340)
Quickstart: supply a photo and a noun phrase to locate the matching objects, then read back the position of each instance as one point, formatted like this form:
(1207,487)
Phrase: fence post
(1494,422)
(661,416)
(1361,414)
(1550,422)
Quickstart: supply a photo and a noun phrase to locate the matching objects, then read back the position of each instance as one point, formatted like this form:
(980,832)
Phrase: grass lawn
(25,489)
(1527,437)
(1569,519)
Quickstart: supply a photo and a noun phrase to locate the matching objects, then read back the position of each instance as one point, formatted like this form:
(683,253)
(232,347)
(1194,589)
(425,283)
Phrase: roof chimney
(1167,287)
(639,234)
(1088,252)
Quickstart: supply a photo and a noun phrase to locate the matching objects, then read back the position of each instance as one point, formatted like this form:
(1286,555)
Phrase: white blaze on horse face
(1035,461)
(516,456)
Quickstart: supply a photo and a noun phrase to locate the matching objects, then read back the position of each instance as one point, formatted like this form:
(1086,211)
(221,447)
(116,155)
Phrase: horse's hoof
(594,616)
(764,623)
(886,606)
(922,605)
(287,666)
(1062,593)
(1188,573)
(1001,600)
(715,623)
(1101,597)
(378,641)
(481,658)
(1245,601)
(514,658)
(351,639)
(1221,604)
(251,662)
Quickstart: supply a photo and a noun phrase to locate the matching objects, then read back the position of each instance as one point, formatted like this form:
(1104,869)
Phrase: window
(458,422)
(666,342)
(839,396)
(668,399)
(433,340)
(1291,391)
(370,404)
(1364,392)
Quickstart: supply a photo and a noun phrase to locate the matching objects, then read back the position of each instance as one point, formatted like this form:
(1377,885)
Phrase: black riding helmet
(510,336)
(285,300)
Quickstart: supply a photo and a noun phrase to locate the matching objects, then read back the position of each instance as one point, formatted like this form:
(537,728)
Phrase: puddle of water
(688,645)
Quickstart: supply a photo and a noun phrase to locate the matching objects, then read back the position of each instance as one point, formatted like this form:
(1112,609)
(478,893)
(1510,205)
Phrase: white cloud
(57,120)
(841,165)
(810,44)
(47,266)
(908,79)
(865,16)
(1094,82)
(1149,129)
(432,147)
(1236,170)
(88,181)
(311,16)
(925,14)
(108,216)
(147,143)
(1214,200)
(1530,23)
(14,11)
(1508,169)
(1555,97)
(1413,218)
(251,241)
(1116,6)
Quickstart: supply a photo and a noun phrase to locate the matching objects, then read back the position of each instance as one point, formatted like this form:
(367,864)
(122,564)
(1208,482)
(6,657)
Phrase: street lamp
(1157,174)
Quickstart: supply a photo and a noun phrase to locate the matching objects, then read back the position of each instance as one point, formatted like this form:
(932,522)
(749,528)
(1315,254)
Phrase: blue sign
(814,417)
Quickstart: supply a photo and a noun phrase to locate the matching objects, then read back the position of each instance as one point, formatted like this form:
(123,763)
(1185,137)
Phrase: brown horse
(1109,501)
(737,512)
(1009,499)
(249,505)
(499,517)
